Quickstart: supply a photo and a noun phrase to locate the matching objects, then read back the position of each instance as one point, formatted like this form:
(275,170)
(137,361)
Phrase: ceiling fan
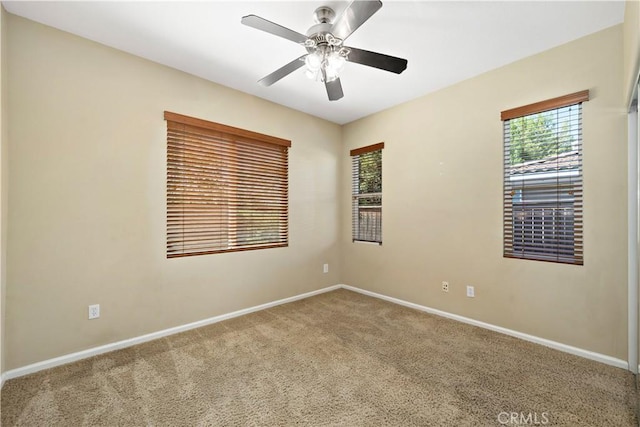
(326,53)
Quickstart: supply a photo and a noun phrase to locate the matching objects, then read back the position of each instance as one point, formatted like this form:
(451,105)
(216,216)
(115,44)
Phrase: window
(227,188)
(366,167)
(543,180)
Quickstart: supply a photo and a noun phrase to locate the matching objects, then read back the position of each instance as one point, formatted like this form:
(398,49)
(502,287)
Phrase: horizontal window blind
(227,188)
(367,193)
(542,214)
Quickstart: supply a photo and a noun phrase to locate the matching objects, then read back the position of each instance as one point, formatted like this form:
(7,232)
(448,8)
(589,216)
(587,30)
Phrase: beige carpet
(339,358)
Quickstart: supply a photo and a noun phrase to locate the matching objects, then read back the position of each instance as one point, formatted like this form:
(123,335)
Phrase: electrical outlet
(94,311)
(325,268)
(445,286)
(471,292)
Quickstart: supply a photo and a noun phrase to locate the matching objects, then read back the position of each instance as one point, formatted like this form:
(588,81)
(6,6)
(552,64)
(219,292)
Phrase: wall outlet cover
(94,311)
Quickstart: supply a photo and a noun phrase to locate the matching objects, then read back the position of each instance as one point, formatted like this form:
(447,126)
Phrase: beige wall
(87,199)
(442,190)
(631,43)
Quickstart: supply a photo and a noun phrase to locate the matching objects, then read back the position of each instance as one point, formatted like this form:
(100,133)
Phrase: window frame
(356,197)
(215,174)
(560,181)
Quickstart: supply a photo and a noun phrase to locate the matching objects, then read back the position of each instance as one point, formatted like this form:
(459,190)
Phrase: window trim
(357,152)
(367,149)
(218,127)
(542,106)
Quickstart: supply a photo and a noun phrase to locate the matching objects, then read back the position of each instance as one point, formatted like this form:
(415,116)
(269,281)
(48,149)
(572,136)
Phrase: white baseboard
(68,358)
(50,363)
(548,343)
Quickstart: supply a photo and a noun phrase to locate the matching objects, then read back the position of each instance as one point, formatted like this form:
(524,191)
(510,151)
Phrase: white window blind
(543,180)
(227,188)
(367,193)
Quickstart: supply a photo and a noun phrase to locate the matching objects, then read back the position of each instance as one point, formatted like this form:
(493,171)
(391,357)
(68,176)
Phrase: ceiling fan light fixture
(334,65)
(311,75)
(313,61)
(329,75)
(325,64)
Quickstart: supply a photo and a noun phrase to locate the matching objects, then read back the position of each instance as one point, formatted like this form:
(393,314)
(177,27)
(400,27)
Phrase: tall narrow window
(367,193)
(227,188)
(543,180)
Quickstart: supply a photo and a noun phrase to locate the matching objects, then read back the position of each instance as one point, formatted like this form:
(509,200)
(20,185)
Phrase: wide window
(367,193)
(543,180)
(227,188)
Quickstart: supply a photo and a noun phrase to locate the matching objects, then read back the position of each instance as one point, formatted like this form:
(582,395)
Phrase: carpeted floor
(339,358)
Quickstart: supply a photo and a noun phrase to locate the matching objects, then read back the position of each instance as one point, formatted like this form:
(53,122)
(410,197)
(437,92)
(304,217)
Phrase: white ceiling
(444,42)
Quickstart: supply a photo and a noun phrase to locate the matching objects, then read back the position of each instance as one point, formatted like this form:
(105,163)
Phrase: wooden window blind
(542,215)
(366,167)
(227,188)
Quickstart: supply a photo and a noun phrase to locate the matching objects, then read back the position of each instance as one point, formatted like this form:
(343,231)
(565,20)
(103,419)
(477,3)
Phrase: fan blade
(273,28)
(334,89)
(377,60)
(282,71)
(353,16)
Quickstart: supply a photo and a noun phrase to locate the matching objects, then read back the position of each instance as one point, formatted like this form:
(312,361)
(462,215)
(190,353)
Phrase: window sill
(367,243)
